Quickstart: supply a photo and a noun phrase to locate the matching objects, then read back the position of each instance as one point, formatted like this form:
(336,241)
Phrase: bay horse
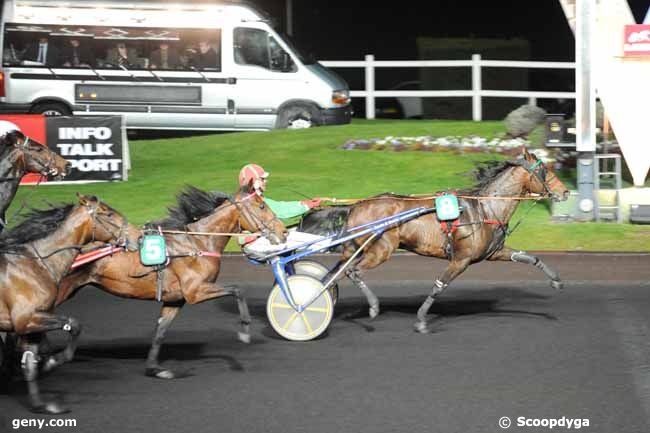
(34,257)
(20,155)
(479,234)
(195,261)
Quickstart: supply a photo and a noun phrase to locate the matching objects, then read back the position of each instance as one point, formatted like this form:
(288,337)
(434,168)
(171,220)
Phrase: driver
(252,179)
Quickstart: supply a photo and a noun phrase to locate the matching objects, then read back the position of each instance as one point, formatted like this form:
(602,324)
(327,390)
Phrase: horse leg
(508,254)
(34,325)
(29,365)
(454,269)
(73,328)
(378,252)
(209,291)
(168,313)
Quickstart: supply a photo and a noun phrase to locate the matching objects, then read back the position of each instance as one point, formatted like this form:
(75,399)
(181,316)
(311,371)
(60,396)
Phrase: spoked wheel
(318,271)
(310,323)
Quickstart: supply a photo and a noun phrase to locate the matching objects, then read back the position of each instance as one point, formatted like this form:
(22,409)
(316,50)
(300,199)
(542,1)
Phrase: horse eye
(262,206)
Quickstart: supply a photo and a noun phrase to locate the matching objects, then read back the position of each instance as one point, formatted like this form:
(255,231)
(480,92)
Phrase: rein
(423,197)
(182,232)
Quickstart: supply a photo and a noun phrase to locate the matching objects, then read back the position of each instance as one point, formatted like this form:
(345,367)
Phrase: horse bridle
(121,239)
(540,171)
(252,220)
(92,211)
(47,167)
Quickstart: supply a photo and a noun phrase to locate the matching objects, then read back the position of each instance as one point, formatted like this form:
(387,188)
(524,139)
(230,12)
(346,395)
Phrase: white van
(191,65)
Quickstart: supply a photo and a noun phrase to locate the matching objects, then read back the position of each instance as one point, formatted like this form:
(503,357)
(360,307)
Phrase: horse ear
(525,153)
(83,200)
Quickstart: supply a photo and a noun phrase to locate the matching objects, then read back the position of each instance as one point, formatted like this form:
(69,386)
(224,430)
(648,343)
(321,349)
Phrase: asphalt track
(506,344)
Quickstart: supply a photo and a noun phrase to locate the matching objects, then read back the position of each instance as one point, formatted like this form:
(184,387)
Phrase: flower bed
(472,144)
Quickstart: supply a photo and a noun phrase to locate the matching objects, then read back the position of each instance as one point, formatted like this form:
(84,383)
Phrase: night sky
(348,29)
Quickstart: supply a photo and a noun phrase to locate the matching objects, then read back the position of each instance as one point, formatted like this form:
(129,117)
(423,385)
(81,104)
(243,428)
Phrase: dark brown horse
(480,234)
(20,155)
(195,261)
(34,257)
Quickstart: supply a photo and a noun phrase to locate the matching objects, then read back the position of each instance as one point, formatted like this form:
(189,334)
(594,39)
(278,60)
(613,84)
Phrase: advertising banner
(93,145)
(96,146)
(636,41)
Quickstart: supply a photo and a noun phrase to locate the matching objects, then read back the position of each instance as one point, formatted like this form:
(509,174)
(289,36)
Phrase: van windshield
(305,56)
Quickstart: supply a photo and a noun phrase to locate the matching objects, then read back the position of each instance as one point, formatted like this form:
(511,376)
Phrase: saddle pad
(447,207)
(153,251)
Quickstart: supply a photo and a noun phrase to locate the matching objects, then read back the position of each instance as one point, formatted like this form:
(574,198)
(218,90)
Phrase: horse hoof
(51,408)
(421,327)
(374,312)
(50,364)
(557,284)
(160,373)
(244,337)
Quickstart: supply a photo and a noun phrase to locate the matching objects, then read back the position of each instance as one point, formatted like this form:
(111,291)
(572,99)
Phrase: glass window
(113,48)
(259,48)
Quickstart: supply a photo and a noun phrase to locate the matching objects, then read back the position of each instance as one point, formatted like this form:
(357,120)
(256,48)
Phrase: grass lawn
(309,163)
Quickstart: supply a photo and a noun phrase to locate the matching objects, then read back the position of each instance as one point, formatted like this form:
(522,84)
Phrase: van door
(267,75)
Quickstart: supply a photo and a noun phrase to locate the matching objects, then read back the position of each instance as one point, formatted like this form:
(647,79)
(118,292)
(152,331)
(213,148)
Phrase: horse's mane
(192,204)
(36,225)
(486,172)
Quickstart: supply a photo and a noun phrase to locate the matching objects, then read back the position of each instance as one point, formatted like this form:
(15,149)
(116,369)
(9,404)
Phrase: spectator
(74,55)
(164,57)
(204,57)
(122,56)
(43,52)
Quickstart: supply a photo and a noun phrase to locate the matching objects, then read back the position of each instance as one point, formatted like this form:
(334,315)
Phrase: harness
(155,254)
(448,211)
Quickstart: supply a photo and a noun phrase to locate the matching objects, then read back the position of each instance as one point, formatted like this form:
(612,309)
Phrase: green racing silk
(287,211)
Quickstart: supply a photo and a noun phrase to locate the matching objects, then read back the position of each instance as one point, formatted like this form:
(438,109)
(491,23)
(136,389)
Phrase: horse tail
(325,222)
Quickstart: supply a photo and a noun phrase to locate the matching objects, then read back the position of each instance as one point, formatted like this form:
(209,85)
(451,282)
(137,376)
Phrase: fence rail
(476,92)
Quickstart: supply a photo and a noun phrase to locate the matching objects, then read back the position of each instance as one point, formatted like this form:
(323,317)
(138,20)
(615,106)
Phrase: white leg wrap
(512,256)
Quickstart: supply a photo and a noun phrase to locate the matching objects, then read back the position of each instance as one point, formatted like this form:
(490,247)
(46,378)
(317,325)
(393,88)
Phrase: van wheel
(298,117)
(51,109)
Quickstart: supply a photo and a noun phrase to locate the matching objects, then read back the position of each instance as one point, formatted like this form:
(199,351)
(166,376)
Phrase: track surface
(506,345)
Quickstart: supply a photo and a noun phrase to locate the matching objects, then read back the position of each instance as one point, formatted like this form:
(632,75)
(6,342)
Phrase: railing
(476,93)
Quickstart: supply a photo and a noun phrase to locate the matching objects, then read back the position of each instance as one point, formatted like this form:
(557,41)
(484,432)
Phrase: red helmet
(250,173)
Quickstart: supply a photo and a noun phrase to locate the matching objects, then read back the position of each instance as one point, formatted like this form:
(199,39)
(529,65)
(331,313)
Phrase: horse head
(256,216)
(542,179)
(107,224)
(36,157)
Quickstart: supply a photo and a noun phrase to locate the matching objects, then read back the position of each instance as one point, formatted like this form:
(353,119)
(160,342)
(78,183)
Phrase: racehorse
(195,261)
(34,257)
(20,155)
(479,234)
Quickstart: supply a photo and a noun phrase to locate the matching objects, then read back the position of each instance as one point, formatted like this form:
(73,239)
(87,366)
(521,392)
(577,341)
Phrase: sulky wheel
(310,323)
(318,271)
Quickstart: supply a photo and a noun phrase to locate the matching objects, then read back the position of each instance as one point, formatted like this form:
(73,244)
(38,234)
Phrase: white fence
(476,93)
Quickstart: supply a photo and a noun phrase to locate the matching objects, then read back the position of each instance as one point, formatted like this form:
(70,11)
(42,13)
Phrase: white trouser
(264,247)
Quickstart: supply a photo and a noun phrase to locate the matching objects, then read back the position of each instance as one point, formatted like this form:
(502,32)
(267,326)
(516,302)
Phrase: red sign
(33,126)
(636,41)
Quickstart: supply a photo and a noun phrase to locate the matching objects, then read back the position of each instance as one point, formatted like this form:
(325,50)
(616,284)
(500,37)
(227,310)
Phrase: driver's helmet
(250,173)
(6,127)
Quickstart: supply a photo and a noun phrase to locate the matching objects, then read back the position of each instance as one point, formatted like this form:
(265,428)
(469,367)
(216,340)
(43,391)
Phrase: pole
(585,110)
(289,9)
